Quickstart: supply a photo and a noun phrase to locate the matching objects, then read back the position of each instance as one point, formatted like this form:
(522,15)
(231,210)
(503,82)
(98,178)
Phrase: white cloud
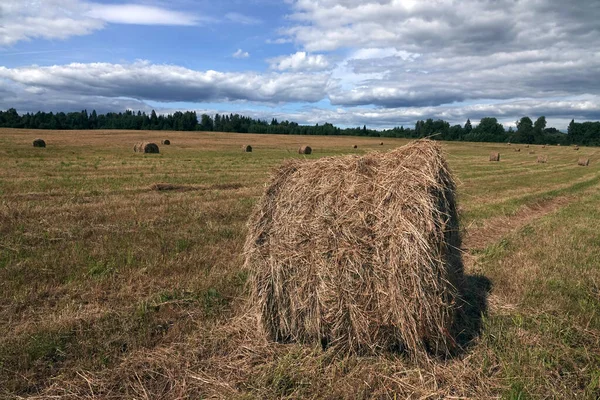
(140,15)
(242,19)
(240,54)
(300,61)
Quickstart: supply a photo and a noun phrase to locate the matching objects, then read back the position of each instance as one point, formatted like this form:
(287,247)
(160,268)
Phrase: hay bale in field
(165,142)
(247,148)
(544,146)
(381,143)
(542,159)
(584,162)
(145,147)
(509,143)
(360,253)
(576,148)
(495,157)
(527,146)
(305,150)
(39,143)
(517,149)
(355,147)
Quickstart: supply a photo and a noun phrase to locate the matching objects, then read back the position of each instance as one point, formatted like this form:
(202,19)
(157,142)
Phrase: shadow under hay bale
(359,253)
(165,142)
(247,148)
(39,143)
(584,162)
(495,157)
(145,147)
(542,159)
(305,150)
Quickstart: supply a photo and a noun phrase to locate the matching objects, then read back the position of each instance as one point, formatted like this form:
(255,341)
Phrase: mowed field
(110,288)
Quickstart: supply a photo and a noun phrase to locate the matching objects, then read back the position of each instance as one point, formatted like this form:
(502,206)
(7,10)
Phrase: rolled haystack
(527,146)
(247,148)
(576,148)
(355,147)
(360,253)
(305,150)
(584,162)
(544,146)
(532,152)
(39,143)
(381,143)
(509,143)
(145,147)
(495,157)
(518,150)
(165,142)
(542,159)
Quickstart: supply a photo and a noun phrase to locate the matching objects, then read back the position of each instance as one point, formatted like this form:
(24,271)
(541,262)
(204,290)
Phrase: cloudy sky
(382,63)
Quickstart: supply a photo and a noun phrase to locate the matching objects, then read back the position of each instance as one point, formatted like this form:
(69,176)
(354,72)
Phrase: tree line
(488,129)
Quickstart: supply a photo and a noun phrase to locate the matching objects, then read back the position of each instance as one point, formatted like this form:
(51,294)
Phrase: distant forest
(488,129)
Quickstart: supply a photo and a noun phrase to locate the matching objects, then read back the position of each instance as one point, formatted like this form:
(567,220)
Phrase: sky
(380,63)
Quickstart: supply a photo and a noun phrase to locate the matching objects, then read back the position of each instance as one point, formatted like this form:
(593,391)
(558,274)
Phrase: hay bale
(584,162)
(518,150)
(165,142)
(527,146)
(542,159)
(531,152)
(576,148)
(509,143)
(544,146)
(495,157)
(247,148)
(360,253)
(39,143)
(381,143)
(355,147)
(305,150)
(145,147)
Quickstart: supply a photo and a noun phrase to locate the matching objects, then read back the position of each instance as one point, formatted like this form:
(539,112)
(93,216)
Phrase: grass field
(110,288)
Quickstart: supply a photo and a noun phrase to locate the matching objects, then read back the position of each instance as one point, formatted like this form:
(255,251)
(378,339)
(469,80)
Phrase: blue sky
(382,63)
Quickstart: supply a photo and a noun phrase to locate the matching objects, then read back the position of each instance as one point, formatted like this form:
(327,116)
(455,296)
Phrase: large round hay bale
(247,148)
(584,162)
(381,143)
(542,159)
(39,143)
(360,253)
(355,147)
(305,150)
(517,150)
(495,157)
(145,147)
(576,148)
(165,142)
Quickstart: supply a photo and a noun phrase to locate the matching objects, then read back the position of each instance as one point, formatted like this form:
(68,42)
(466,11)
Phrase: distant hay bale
(584,162)
(165,142)
(544,146)
(542,159)
(495,157)
(527,146)
(247,148)
(305,150)
(39,143)
(558,144)
(576,148)
(509,143)
(517,149)
(532,152)
(360,253)
(381,143)
(355,147)
(145,147)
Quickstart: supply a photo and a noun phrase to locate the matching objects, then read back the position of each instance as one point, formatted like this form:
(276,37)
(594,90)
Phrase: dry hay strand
(584,162)
(39,143)
(495,157)
(542,159)
(355,147)
(145,147)
(247,148)
(305,150)
(165,142)
(359,253)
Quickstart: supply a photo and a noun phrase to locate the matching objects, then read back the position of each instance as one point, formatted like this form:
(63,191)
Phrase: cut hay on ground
(145,147)
(584,162)
(359,253)
(165,142)
(39,143)
(542,159)
(495,157)
(305,150)
(247,148)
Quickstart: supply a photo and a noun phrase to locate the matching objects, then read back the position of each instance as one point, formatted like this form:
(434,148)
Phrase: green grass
(107,286)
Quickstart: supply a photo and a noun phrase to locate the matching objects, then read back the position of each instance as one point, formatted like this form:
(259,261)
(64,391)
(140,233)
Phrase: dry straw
(542,159)
(39,143)
(584,162)
(495,157)
(305,150)
(247,148)
(145,147)
(165,142)
(360,253)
